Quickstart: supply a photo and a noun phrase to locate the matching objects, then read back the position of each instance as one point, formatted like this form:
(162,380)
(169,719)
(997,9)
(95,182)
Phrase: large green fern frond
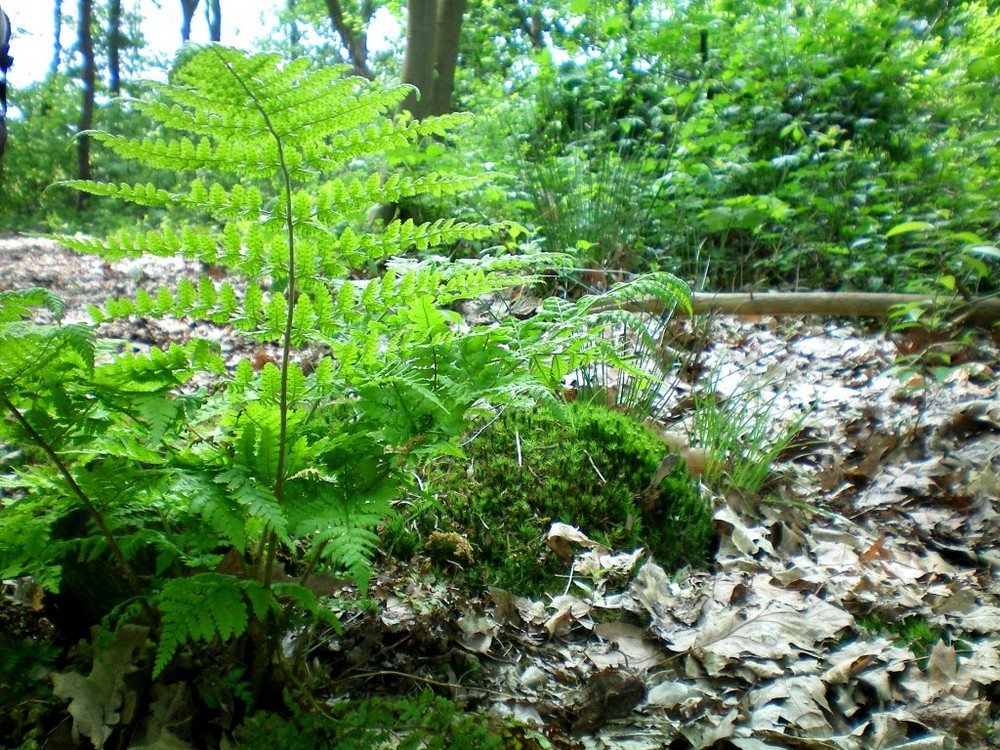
(204,607)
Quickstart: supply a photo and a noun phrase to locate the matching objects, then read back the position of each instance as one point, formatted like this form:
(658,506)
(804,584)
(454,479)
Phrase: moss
(587,466)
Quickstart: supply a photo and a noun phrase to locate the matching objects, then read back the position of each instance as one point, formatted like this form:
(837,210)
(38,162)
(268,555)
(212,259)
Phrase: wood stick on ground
(985,311)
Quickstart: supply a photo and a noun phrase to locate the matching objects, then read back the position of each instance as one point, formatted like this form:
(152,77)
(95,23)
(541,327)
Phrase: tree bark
(114,46)
(188,7)
(56,38)
(985,311)
(418,59)
(213,13)
(89,78)
(449,32)
(356,44)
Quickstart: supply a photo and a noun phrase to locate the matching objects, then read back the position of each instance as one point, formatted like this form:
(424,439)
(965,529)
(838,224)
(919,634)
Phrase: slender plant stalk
(268,552)
(88,504)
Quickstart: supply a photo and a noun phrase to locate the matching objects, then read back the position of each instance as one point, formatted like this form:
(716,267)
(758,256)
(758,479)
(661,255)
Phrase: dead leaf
(640,652)
(476,632)
(798,701)
(942,666)
(610,694)
(101,702)
(561,536)
(570,611)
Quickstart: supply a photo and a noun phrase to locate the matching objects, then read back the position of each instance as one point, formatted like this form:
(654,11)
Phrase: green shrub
(589,467)
(179,500)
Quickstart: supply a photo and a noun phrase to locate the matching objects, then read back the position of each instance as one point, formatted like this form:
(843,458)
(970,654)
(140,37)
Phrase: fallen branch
(984,311)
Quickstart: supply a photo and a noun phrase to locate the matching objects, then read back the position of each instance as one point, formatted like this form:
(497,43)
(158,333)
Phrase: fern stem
(286,343)
(88,504)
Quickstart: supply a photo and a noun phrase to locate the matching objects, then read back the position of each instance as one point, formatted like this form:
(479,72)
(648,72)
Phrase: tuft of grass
(743,433)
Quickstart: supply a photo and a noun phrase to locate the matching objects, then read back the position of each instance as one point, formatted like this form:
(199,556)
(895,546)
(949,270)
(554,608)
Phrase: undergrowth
(184,504)
(424,722)
(584,465)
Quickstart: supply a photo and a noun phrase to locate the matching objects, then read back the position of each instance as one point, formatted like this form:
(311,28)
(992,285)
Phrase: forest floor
(855,605)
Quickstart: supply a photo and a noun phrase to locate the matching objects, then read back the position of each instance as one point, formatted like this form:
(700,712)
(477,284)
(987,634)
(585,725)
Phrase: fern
(16,304)
(174,469)
(206,606)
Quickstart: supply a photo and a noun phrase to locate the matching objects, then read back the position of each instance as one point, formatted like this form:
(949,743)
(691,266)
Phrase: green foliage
(584,465)
(586,167)
(26,664)
(912,632)
(422,721)
(155,490)
(199,497)
(776,159)
(954,267)
(951,263)
(609,352)
(39,150)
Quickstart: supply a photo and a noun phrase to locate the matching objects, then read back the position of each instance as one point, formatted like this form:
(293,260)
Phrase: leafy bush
(586,151)
(39,150)
(584,465)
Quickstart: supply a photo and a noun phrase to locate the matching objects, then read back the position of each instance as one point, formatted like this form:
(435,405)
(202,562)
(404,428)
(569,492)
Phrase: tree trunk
(86,44)
(418,59)
(56,38)
(449,33)
(188,7)
(114,46)
(294,36)
(213,12)
(355,44)
(433,30)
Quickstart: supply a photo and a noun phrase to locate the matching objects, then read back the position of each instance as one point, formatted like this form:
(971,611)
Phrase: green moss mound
(587,466)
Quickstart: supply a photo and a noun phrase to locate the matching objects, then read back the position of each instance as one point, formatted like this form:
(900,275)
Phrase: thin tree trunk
(533,25)
(355,44)
(86,44)
(449,33)
(213,11)
(188,7)
(294,37)
(114,46)
(56,38)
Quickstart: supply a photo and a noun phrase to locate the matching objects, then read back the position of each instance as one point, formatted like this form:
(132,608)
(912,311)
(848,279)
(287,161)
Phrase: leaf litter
(890,514)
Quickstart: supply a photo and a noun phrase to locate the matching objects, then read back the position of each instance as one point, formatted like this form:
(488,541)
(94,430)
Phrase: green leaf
(984,251)
(909,226)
